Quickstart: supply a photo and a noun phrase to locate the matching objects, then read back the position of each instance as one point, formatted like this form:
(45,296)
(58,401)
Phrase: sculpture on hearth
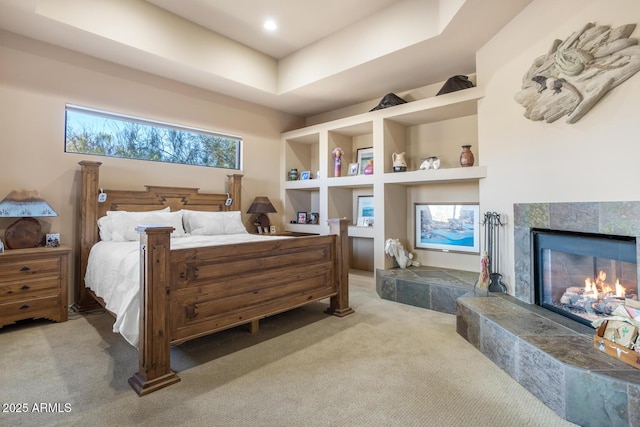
(394,249)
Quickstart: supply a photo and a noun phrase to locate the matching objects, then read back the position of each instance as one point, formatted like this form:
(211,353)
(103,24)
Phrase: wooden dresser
(33,284)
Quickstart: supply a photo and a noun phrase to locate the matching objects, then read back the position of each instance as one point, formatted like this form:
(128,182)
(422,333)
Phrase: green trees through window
(107,134)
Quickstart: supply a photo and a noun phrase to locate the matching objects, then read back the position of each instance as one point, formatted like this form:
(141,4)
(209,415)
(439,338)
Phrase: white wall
(594,159)
(37,80)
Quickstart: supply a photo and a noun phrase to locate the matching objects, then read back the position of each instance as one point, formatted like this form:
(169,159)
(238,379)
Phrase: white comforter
(113,273)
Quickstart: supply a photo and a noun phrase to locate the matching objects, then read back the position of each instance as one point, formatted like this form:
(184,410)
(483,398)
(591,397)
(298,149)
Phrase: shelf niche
(436,126)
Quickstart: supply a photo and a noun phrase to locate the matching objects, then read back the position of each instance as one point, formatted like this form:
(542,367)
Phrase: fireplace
(583,276)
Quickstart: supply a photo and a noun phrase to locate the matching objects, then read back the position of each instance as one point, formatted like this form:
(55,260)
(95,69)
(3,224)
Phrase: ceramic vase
(466,157)
(293,174)
(399,162)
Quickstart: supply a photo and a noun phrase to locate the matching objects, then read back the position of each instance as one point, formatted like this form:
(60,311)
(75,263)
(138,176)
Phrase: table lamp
(24,204)
(261,206)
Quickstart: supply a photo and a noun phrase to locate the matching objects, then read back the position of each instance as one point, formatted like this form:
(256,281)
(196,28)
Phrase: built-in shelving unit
(423,128)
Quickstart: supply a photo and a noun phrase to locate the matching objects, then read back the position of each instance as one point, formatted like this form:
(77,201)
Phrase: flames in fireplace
(596,297)
(599,287)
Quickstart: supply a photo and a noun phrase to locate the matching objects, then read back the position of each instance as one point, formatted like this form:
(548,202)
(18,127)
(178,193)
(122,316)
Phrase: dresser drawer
(29,305)
(29,287)
(15,269)
(33,284)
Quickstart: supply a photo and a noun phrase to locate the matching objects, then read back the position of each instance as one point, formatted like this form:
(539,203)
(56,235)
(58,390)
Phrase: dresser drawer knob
(25,287)
(25,268)
(24,306)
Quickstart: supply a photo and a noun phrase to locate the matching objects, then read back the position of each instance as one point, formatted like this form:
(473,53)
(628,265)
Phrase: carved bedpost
(154,370)
(235,188)
(88,231)
(339,304)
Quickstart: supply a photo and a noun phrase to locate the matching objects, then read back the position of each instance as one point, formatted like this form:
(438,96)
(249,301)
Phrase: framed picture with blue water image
(365,211)
(448,227)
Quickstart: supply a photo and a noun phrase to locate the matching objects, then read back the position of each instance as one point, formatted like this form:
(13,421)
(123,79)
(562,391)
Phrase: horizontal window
(101,133)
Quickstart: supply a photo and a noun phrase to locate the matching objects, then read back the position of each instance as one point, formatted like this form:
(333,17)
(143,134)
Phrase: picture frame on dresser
(302,217)
(447,227)
(52,240)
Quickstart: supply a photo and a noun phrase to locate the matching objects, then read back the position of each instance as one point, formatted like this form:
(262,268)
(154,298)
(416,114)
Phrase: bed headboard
(152,198)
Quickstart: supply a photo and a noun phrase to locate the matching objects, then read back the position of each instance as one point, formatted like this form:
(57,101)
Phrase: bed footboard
(189,293)
(154,357)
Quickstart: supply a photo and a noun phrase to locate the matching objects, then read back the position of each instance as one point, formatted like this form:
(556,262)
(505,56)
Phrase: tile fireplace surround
(550,355)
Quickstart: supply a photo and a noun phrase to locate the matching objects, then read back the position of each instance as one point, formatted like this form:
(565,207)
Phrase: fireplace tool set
(492,224)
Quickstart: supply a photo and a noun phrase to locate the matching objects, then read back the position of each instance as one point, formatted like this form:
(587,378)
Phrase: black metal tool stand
(492,224)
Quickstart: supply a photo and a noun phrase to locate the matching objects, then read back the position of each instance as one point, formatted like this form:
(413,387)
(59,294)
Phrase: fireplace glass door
(583,276)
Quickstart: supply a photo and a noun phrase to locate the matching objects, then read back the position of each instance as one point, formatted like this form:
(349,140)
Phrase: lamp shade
(261,204)
(25,203)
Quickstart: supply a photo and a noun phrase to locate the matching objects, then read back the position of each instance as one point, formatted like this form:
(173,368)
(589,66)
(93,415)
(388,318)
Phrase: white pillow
(200,223)
(123,224)
(105,228)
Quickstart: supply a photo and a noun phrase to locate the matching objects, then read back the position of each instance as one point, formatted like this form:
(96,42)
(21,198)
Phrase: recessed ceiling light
(270,25)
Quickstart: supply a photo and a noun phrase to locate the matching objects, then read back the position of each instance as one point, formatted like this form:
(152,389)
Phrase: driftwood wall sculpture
(576,73)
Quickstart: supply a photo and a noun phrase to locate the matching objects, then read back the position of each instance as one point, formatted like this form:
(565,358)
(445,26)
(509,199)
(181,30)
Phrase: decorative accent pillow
(105,228)
(123,224)
(200,223)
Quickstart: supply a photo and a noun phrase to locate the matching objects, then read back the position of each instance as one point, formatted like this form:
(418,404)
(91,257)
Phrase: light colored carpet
(388,364)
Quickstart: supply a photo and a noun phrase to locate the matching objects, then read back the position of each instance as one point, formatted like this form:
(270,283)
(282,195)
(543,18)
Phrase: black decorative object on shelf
(389,100)
(455,83)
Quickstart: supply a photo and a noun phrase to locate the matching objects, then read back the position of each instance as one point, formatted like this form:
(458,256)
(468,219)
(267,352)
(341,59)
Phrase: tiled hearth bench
(553,357)
(426,287)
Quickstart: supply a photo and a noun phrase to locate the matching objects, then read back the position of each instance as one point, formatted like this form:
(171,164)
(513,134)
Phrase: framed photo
(364,155)
(364,221)
(314,218)
(302,217)
(52,240)
(447,227)
(353,169)
(305,175)
(365,211)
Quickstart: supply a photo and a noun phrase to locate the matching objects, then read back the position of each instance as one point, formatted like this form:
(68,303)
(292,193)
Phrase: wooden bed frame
(188,293)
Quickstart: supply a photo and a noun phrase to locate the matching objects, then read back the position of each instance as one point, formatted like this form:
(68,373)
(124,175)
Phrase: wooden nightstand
(33,284)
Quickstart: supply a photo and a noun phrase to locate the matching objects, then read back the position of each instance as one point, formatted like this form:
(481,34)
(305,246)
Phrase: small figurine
(337,161)
(432,162)
(483,278)
(404,258)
